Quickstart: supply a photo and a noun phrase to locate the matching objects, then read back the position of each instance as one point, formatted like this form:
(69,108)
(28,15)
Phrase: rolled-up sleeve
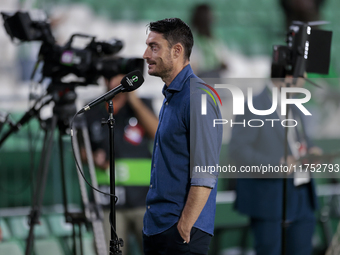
(205,139)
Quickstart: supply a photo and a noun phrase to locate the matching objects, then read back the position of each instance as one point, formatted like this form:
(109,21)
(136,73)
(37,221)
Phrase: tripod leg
(82,185)
(80,240)
(97,224)
(90,162)
(71,218)
(74,248)
(63,178)
(93,212)
(41,184)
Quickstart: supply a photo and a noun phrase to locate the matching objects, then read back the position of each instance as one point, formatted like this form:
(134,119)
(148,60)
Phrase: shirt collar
(177,83)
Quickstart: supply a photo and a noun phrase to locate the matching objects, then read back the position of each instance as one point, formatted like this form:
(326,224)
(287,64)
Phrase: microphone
(130,82)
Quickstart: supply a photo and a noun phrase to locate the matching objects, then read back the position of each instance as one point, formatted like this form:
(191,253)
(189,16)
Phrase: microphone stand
(115,242)
(285,223)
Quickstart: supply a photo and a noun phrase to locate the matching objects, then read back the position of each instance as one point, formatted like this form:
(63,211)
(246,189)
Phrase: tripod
(63,110)
(115,242)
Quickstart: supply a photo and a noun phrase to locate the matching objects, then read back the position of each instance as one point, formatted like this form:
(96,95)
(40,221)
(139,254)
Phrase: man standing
(180,204)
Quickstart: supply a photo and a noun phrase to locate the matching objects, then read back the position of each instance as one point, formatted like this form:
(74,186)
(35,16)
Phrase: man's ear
(178,50)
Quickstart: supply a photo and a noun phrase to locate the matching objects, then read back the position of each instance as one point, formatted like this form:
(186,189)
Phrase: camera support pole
(285,223)
(115,242)
(92,211)
(39,192)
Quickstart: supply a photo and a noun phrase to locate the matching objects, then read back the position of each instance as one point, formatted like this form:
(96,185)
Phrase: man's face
(158,55)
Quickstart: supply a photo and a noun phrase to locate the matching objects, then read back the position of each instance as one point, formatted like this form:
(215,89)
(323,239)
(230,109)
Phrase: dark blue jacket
(262,198)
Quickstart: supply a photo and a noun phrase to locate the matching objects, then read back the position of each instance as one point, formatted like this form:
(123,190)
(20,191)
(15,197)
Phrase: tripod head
(64,108)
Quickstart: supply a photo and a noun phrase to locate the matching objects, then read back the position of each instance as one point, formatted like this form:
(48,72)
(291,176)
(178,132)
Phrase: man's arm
(205,146)
(197,199)
(146,117)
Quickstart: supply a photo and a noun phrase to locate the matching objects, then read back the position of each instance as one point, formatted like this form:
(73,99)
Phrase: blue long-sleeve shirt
(184,139)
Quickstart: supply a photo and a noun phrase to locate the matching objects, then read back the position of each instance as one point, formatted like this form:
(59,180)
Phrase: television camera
(88,63)
(307,50)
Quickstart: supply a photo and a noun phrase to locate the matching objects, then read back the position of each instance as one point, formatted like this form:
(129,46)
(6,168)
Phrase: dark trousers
(170,242)
(267,237)
(299,233)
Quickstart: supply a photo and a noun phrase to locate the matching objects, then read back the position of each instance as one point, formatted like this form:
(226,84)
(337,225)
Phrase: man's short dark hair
(174,30)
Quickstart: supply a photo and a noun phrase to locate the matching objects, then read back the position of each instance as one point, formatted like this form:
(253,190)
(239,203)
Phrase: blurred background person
(262,198)
(209,55)
(135,128)
(302,10)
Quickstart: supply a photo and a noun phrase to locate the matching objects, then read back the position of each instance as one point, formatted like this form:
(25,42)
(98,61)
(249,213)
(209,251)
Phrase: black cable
(78,166)
(112,226)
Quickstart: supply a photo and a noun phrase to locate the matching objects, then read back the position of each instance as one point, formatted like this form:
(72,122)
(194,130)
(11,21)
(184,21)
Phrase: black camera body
(307,50)
(88,63)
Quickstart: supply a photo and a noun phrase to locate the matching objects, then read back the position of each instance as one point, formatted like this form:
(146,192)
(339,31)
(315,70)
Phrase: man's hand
(315,151)
(132,97)
(184,230)
(291,161)
(145,116)
(197,198)
(99,158)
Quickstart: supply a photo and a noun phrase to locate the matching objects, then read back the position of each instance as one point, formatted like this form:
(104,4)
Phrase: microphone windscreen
(132,81)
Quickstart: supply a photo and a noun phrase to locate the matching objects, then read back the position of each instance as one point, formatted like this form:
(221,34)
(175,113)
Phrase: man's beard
(163,73)
(164,70)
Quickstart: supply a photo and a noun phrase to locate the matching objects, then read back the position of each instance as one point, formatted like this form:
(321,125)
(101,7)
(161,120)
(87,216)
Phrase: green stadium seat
(6,235)
(49,246)
(20,228)
(58,226)
(11,248)
(88,244)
